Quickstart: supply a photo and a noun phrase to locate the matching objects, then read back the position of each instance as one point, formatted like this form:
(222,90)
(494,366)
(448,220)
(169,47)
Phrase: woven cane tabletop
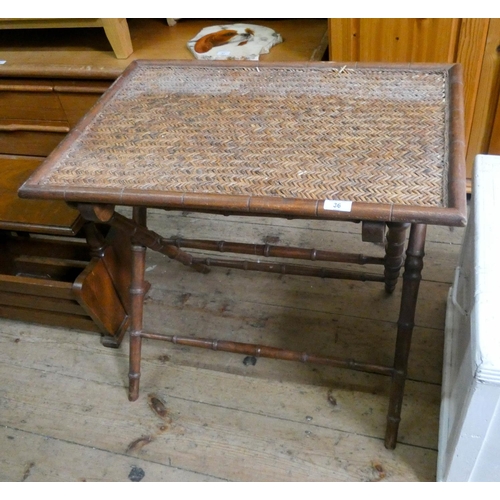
(376,135)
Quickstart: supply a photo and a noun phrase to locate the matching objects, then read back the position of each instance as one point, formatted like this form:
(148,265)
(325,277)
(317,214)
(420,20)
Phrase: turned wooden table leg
(137,292)
(411,281)
(394,253)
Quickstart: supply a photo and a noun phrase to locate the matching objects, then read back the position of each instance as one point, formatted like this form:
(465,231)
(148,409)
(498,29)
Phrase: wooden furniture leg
(116,29)
(411,281)
(118,34)
(137,292)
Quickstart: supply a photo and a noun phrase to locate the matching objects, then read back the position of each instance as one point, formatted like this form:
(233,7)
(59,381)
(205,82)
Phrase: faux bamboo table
(380,145)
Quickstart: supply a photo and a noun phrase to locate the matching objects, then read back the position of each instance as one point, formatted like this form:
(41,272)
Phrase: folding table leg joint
(394,253)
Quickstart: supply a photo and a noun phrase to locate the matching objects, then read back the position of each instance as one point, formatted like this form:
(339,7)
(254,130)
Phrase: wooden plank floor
(211,416)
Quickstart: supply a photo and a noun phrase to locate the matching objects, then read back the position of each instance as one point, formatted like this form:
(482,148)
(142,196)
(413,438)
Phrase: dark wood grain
(47,217)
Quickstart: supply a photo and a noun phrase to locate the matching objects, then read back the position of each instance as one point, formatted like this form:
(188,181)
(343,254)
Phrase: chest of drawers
(50,273)
(35,114)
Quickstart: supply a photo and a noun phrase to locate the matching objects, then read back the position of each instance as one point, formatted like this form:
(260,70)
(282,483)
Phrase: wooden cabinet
(54,269)
(494,146)
(475,43)
(35,114)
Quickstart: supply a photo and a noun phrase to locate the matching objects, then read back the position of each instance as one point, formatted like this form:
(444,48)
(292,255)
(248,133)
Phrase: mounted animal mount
(235,41)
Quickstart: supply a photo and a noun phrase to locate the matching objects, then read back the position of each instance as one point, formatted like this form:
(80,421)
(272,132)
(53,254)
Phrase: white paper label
(339,205)
(3,62)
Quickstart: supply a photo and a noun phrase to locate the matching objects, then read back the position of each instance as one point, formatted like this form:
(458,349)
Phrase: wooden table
(380,145)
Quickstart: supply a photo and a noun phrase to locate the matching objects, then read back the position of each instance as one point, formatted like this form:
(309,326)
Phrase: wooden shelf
(116,29)
(74,52)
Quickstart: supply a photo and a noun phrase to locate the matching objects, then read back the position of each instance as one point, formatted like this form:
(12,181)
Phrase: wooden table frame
(97,204)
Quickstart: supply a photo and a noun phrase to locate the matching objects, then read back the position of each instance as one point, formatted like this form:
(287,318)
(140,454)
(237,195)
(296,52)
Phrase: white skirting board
(469,431)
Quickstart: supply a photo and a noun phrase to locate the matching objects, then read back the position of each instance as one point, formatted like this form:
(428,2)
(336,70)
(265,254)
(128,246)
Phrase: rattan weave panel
(364,134)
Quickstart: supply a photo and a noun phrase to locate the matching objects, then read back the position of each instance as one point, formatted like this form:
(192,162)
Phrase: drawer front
(77,105)
(37,216)
(77,97)
(35,100)
(36,114)
(32,139)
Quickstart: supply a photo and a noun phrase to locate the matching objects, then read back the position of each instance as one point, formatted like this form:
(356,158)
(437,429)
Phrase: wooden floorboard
(211,416)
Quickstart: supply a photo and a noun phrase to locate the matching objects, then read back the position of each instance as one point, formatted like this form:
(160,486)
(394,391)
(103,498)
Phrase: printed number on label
(339,205)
